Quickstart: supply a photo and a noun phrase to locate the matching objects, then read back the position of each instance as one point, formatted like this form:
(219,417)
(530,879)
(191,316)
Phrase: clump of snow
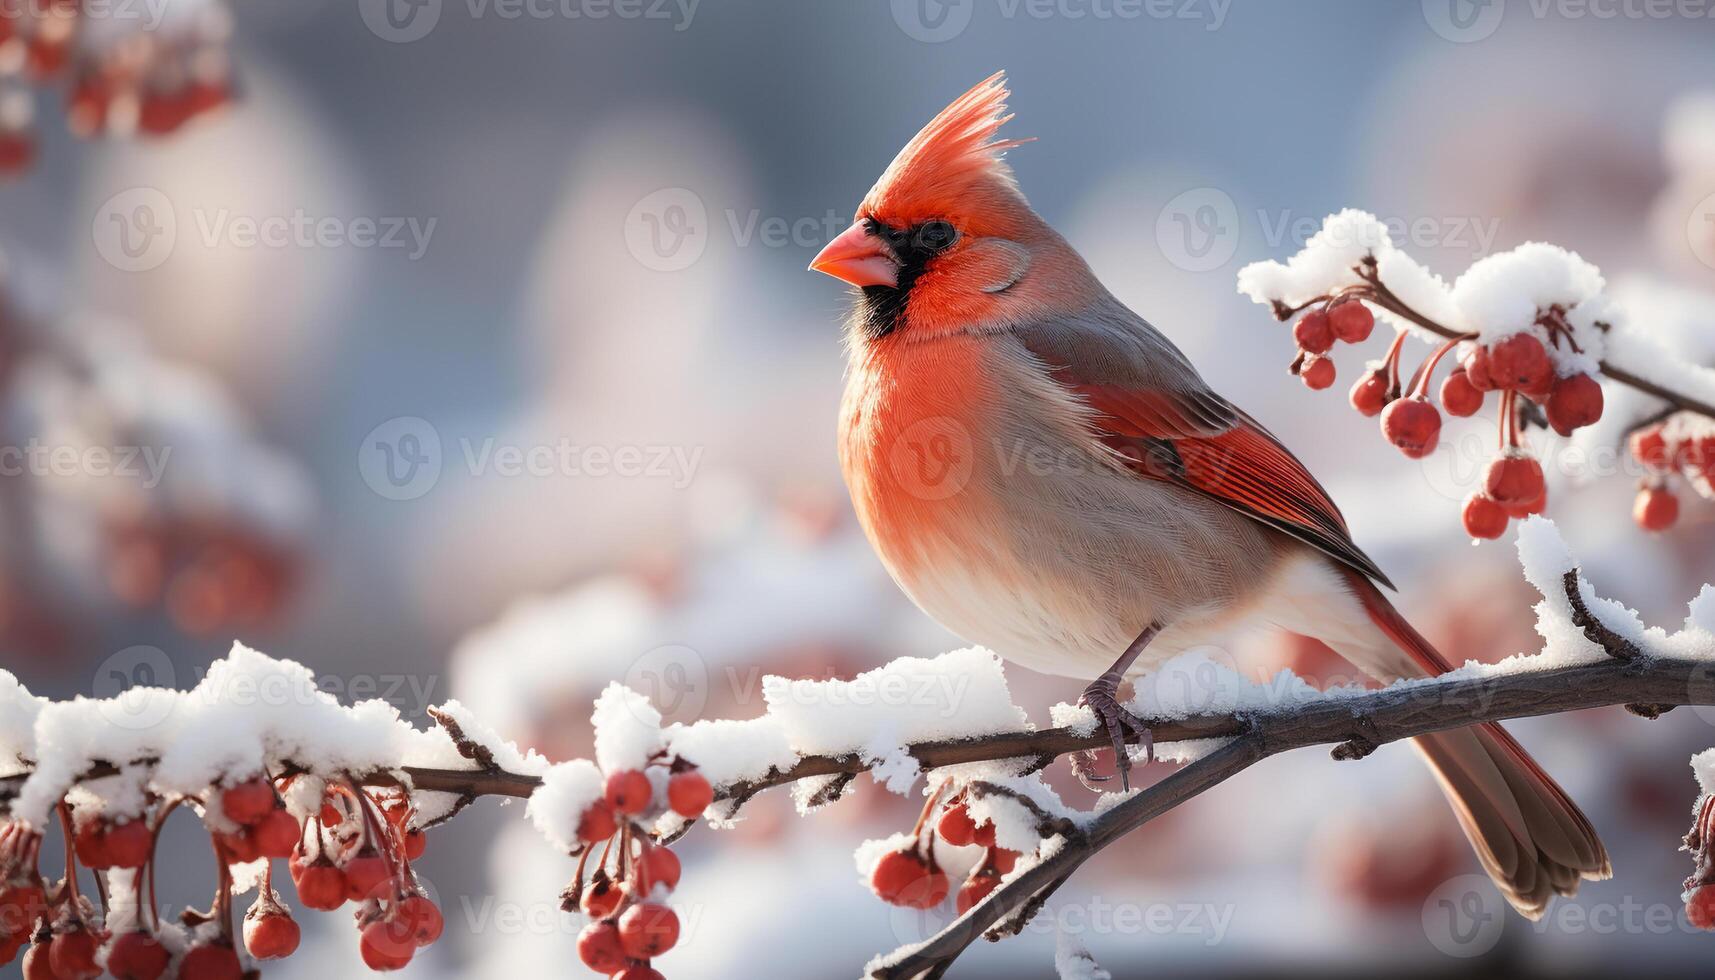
(962,694)
(1015,827)
(733,751)
(627,729)
(556,807)
(1072,959)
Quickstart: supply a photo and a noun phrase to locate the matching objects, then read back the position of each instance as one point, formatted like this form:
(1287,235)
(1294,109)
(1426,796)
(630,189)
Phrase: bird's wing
(1148,404)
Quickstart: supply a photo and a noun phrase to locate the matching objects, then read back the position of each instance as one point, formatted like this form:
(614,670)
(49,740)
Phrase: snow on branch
(344,792)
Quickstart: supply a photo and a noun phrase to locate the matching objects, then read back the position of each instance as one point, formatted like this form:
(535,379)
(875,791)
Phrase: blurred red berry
(956,826)
(974,890)
(597,823)
(422,918)
(1656,508)
(416,842)
(366,875)
(629,791)
(72,954)
(601,898)
(38,962)
(1515,479)
(1313,332)
(321,886)
(1352,321)
(248,801)
(385,947)
(270,935)
(1574,403)
(1649,447)
(1369,394)
(211,961)
(1477,369)
(275,835)
(1521,362)
(1412,425)
(894,872)
(137,956)
(1459,396)
(658,866)
(1002,860)
(1317,372)
(90,844)
(647,930)
(1484,517)
(689,793)
(1700,907)
(599,947)
(127,845)
(638,971)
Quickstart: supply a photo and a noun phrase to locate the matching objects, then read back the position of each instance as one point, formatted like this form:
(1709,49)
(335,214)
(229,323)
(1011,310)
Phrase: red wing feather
(1202,442)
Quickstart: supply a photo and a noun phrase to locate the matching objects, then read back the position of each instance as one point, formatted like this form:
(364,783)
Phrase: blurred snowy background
(482,343)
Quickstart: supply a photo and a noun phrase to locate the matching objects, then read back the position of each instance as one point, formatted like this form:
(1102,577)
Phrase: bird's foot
(1102,697)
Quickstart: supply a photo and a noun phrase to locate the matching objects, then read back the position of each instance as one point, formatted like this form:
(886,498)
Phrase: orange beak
(859,258)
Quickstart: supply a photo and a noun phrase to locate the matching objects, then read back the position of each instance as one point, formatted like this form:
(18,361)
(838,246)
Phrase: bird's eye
(935,235)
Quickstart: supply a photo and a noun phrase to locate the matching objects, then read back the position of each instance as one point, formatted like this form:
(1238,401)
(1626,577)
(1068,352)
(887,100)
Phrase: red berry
(422,918)
(137,956)
(416,842)
(1573,403)
(1002,860)
(366,875)
(385,947)
(1521,362)
(20,907)
(1514,480)
(1484,517)
(926,892)
(38,963)
(72,955)
(1649,447)
(1477,369)
(657,866)
(247,802)
(10,944)
(648,930)
(599,947)
(894,872)
(275,835)
(629,791)
(638,971)
(1700,907)
(271,935)
(956,826)
(238,848)
(984,834)
(1459,396)
(1655,510)
(1369,394)
(1521,511)
(1352,321)
(689,793)
(321,886)
(90,844)
(1412,425)
(1313,332)
(597,823)
(214,961)
(1317,372)
(974,890)
(127,845)
(602,898)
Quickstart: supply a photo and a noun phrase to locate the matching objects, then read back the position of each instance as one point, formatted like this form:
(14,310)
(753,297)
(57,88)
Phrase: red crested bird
(1047,475)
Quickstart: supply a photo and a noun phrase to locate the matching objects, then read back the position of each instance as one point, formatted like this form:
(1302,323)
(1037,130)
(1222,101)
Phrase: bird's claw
(1102,698)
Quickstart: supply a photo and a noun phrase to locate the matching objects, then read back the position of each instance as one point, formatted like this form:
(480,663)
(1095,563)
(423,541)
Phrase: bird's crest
(957,151)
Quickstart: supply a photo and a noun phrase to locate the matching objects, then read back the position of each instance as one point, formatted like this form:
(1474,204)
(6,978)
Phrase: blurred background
(465,348)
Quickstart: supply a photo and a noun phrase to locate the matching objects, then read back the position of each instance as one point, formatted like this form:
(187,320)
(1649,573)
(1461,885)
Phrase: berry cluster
(1675,447)
(357,848)
(1518,366)
(148,81)
(630,922)
(911,877)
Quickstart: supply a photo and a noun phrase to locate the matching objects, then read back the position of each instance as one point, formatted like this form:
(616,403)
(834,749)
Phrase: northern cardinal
(1047,475)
